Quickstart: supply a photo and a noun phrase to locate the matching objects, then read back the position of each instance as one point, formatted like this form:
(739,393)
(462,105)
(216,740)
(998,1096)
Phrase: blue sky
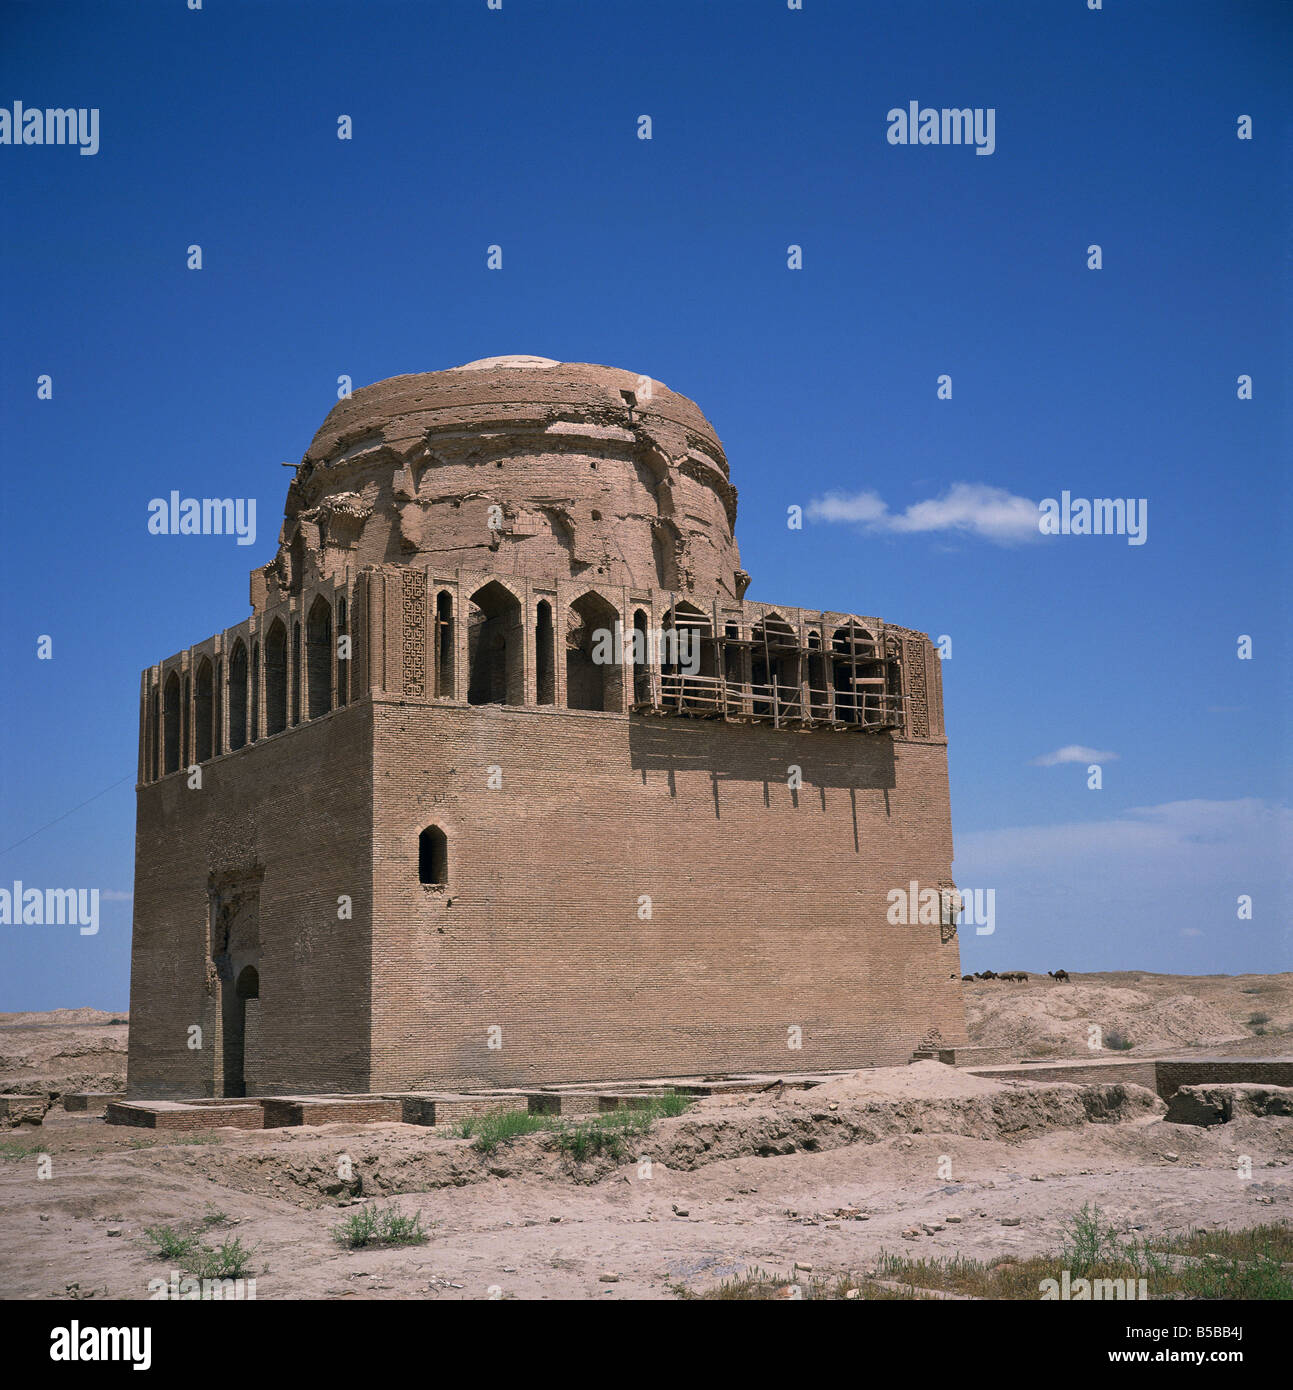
(669,256)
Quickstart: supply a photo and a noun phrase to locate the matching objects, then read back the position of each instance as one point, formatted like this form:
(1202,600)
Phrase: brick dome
(520,465)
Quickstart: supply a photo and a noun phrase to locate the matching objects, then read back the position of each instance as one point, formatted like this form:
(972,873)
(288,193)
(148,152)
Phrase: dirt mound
(1055,1020)
(1218,1104)
(62,1050)
(390,1159)
(62,1018)
(1008,1111)
(928,1080)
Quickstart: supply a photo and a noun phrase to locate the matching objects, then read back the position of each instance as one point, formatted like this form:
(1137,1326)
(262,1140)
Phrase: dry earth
(735,1183)
(1221,1014)
(62,1050)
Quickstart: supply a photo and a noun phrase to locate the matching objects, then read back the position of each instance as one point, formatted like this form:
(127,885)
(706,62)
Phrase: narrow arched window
(237,696)
(444,645)
(203,712)
(276,679)
(641,659)
(318,649)
(545,671)
(171,724)
(433,857)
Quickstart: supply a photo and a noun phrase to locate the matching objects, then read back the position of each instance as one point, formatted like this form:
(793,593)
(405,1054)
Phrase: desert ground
(926,1162)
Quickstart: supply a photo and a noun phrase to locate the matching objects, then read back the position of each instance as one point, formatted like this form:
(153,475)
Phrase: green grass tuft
(487,1132)
(604,1135)
(1243,1264)
(372,1225)
(171,1244)
(12,1149)
(232,1260)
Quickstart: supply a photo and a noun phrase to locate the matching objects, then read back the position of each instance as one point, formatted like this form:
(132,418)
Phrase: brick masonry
(629,893)
(1165,1075)
(170,1115)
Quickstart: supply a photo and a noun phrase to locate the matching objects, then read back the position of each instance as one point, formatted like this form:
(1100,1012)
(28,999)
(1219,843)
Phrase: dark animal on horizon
(1060,975)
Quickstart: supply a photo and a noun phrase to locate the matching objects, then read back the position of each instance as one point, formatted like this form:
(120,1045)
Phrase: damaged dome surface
(537,468)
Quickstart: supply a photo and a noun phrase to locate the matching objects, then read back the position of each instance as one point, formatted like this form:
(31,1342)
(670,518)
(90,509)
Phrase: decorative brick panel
(917,690)
(415,631)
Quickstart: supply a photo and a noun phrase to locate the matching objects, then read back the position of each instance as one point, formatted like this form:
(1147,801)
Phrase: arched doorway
(318,649)
(276,679)
(494,646)
(594,678)
(238,696)
(203,711)
(171,724)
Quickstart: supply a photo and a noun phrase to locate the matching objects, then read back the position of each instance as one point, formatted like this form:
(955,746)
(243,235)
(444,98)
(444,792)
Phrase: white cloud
(1075,753)
(1175,825)
(843,506)
(991,513)
(1150,888)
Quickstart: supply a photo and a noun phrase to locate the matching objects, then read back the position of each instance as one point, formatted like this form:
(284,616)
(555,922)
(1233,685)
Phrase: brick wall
(768,906)
(293,814)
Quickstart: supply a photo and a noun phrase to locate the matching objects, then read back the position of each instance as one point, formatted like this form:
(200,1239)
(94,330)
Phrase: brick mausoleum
(437,845)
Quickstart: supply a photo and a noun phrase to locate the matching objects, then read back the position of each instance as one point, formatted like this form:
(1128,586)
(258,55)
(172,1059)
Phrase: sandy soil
(1219,1014)
(522,1223)
(62,1050)
(879,1160)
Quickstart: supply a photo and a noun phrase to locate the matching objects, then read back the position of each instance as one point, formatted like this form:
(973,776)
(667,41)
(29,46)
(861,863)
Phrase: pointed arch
(641,658)
(276,678)
(853,672)
(594,675)
(171,724)
(819,689)
(495,647)
(688,658)
(203,711)
(217,710)
(433,857)
(545,669)
(774,664)
(238,696)
(445,645)
(318,658)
